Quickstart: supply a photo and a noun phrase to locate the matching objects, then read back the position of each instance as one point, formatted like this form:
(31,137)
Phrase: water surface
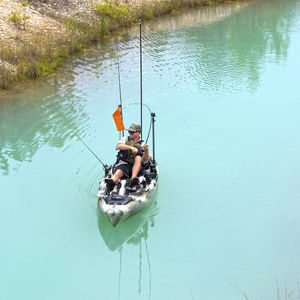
(225,225)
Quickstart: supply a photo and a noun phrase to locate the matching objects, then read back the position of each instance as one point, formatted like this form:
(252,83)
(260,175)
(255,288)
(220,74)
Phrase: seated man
(132,151)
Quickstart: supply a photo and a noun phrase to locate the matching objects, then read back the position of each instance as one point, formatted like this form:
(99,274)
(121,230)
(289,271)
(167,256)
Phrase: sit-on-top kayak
(123,202)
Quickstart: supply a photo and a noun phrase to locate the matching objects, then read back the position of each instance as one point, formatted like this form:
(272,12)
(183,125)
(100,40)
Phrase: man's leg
(111,181)
(137,166)
(118,174)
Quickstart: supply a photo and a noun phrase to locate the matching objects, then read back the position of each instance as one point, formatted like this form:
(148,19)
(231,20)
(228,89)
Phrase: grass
(35,59)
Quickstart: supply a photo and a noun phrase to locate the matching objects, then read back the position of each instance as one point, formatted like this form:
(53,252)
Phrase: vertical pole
(121,134)
(153,135)
(141,77)
(120,91)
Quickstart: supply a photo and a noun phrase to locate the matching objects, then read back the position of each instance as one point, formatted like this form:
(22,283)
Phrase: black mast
(120,91)
(141,77)
(153,135)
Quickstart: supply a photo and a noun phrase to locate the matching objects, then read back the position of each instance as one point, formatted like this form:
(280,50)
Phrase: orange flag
(118,119)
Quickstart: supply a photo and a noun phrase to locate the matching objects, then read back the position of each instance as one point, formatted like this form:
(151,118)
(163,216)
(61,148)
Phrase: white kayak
(123,202)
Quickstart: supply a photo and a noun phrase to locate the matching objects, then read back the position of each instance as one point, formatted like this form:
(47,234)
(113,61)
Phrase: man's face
(134,134)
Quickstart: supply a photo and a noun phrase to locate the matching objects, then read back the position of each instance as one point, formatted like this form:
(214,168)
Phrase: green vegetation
(86,33)
(15,17)
(33,61)
(148,14)
(18,20)
(113,15)
(112,10)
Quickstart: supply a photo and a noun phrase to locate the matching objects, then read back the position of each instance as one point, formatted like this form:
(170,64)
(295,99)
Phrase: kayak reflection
(134,231)
(130,231)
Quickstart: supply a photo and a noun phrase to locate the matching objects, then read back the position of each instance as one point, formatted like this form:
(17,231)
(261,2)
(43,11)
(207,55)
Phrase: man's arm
(146,153)
(121,146)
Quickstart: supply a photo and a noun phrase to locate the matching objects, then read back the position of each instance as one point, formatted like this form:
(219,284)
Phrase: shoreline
(36,38)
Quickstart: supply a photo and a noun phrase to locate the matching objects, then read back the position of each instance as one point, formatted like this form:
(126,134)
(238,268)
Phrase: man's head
(134,129)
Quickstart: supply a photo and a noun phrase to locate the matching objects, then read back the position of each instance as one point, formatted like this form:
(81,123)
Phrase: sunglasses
(131,132)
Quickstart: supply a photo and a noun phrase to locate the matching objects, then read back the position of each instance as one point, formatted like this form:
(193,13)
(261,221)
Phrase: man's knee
(118,174)
(138,159)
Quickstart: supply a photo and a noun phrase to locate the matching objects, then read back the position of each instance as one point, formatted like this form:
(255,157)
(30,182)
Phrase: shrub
(112,10)
(18,20)
(14,17)
(6,78)
(149,14)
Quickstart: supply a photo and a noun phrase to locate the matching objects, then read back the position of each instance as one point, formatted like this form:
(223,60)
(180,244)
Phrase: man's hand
(146,147)
(134,150)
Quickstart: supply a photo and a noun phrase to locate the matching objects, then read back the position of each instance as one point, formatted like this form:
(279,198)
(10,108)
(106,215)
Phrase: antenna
(141,76)
(153,134)
(120,91)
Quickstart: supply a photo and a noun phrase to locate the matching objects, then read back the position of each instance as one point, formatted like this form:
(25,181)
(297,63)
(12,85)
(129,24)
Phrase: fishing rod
(77,138)
(141,76)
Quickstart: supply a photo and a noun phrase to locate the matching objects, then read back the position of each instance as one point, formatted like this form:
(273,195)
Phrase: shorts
(125,167)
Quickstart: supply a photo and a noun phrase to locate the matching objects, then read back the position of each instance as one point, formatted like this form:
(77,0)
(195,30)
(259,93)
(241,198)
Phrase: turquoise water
(223,82)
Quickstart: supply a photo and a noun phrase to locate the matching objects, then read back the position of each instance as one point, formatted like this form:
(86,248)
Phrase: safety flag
(118,119)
